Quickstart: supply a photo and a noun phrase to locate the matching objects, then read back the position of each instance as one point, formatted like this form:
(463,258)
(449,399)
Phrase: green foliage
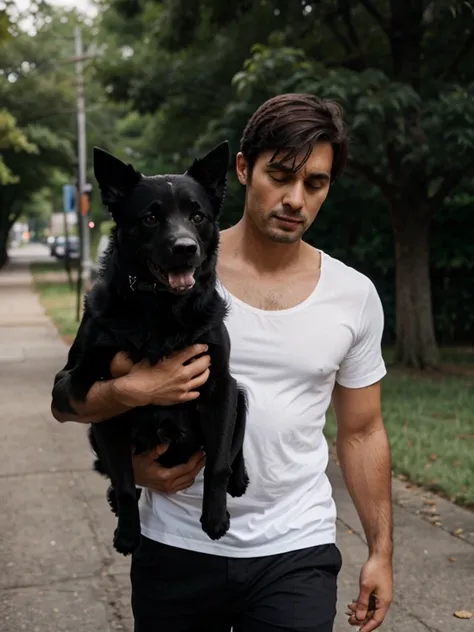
(11,138)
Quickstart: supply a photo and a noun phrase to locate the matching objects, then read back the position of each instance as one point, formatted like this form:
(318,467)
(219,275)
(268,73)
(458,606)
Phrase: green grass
(429,419)
(430,425)
(57,297)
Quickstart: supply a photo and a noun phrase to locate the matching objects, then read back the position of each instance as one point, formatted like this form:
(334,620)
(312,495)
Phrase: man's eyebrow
(321,176)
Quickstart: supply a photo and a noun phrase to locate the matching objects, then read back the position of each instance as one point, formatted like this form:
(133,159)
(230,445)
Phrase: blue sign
(69,198)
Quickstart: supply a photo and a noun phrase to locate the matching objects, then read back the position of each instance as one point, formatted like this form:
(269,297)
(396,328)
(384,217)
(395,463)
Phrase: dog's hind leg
(218,432)
(114,447)
(112,498)
(239,479)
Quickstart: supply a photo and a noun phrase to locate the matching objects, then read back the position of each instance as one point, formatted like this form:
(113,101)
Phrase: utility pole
(86,264)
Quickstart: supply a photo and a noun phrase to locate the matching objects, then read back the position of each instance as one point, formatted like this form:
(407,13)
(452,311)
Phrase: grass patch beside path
(429,418)
(56,296)
(430,425)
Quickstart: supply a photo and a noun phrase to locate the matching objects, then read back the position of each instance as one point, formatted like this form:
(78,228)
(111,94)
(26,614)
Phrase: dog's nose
(184,247)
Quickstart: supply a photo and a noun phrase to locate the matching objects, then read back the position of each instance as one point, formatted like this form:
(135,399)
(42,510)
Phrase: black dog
(156,294)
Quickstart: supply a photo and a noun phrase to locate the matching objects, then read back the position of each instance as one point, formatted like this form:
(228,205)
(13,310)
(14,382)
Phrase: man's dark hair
(292,123)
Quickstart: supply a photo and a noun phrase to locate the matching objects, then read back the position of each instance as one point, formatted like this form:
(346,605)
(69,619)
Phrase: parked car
(58,247)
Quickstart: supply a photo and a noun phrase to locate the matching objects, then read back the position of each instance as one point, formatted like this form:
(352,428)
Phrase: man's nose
(294,196)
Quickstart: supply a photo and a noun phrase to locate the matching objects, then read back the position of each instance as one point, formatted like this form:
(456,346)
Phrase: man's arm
(174,380)
(364,455)
(102,403)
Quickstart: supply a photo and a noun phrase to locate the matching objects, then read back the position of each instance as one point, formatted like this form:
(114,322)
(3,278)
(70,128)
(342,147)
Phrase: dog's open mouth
(178,279)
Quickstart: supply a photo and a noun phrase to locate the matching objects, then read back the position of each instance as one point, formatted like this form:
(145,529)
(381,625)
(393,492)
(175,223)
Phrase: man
(305,330)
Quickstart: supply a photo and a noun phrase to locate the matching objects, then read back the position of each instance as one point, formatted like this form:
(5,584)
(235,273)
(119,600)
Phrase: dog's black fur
(144,304)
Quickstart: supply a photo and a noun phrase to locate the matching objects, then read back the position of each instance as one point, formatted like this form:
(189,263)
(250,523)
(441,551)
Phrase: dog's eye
(150,220)
(197,218)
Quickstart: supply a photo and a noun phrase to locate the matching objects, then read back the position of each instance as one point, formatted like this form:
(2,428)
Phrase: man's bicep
(358,410)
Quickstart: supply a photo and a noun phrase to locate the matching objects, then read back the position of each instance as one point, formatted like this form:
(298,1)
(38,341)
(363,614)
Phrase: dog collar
(143,286)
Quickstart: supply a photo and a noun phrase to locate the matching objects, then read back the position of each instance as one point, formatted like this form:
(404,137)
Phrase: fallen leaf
(429,501)
(463,614)
(451,559)
(457,531)
(350,532)
(433,457)
(429,511)
(437,523)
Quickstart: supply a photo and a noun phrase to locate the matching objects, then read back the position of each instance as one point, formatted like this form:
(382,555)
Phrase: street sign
(69,198)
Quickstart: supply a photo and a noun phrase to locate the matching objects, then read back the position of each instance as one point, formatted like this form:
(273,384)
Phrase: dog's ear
(211,172)
(114,177)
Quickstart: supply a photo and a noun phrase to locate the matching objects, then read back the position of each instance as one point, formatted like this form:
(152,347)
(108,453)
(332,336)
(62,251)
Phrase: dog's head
(166,225)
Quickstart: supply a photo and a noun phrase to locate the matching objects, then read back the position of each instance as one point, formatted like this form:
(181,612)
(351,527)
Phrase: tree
(409,105)
(37,86)
(11,138)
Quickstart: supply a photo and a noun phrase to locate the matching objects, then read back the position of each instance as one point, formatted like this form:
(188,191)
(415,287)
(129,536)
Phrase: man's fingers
(363,602)
(197,367)
(190,352)
(186,469)
(121,365)
(160,449)
(375,620)
(198,381)
(182,483)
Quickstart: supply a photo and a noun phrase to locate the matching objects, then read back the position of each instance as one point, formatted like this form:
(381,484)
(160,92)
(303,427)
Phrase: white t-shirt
(289,361)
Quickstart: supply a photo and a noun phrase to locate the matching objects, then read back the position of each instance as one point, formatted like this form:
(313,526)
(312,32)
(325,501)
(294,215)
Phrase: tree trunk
(416,341)
(3,246)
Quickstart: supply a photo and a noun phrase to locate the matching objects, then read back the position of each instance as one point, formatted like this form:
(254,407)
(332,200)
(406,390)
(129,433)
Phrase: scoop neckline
(282,312)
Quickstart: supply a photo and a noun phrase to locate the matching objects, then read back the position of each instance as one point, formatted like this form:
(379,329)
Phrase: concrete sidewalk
(60,572)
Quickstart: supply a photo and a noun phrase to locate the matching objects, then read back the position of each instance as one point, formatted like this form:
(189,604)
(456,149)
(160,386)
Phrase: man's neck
(246,242)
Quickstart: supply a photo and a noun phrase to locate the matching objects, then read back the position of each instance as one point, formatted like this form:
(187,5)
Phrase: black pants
(174,590)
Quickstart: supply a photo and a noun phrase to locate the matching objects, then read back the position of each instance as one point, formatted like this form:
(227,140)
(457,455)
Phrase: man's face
(283,204)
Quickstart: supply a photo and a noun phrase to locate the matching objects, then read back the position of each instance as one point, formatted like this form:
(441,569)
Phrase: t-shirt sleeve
(364,364)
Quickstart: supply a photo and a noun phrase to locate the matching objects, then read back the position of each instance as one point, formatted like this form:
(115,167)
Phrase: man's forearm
(101,404)
(366,467)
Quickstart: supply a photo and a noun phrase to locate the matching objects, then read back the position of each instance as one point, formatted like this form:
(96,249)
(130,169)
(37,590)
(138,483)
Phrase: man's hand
(148,473)
(172,381)
(376,579)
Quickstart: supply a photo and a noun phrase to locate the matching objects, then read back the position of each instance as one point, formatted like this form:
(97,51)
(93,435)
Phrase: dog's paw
(238,487)
(112,500)
(215,526)
(126,541)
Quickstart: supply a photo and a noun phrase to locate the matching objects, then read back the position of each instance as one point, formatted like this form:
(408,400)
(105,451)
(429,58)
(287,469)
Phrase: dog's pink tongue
(181,280)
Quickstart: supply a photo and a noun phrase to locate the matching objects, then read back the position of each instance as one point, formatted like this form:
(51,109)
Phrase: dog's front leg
(218,432)
(114,447)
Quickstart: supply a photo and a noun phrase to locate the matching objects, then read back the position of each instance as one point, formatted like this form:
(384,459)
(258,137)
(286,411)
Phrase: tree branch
(464,49)
(378,17)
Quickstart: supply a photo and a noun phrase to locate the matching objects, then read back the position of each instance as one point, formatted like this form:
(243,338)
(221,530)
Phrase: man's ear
(114,177)
(211,173)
